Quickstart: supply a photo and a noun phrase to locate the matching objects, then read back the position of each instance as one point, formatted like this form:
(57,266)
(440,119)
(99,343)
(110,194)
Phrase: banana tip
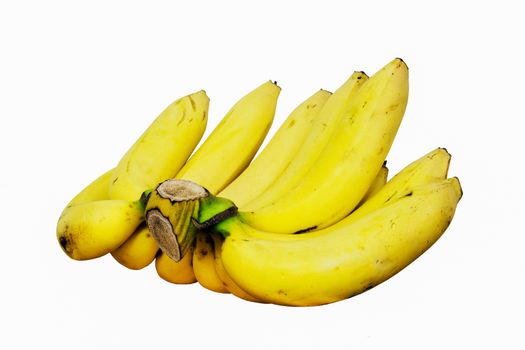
(400,62)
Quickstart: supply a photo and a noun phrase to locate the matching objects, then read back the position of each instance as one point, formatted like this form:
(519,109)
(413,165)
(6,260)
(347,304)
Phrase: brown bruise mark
(292,123)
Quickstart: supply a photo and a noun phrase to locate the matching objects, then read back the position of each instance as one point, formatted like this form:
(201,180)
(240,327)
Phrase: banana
(138,251)
(378,183)
(204,264)
(336,263)
(89,226)
(93,229)
(278,153)
(323,127)
(234,142)
(432,167)
(176,272)
(229,149)
(162,149)
(348,164)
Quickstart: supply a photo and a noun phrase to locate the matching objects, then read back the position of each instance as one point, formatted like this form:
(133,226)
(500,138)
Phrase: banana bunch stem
(177,209)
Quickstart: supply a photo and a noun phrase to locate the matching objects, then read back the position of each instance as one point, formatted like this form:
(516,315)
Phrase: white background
(79,82)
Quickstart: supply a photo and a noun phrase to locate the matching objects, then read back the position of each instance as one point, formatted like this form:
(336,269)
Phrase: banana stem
(176,209)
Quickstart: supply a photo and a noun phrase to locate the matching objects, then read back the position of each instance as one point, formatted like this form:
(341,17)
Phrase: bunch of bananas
(310,221)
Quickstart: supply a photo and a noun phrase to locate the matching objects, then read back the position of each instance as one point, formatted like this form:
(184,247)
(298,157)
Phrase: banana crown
(176,209)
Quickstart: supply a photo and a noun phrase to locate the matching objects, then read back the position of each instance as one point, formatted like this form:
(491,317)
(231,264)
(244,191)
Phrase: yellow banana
(176,272)
(229,148)
(431,167)
(90,230)
(234,142)
(162,149)
(378,183)
(336,263)
(348,164)
(204,264)
(323,127)
(89,226)
(138,251)
(278,153)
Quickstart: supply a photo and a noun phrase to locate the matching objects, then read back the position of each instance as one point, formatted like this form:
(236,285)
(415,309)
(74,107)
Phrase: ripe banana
(162,149)
(336,263)
(93,229)
(348,164)
(278,153)
(204,264)
(138,251)
(89,226)
(323,127)
(234,142)
(252,115)
(176,272)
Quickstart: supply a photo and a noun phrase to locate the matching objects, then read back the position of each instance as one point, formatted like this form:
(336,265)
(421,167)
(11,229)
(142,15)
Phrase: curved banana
(162,149)
(278,153)
(93,229)
(336,263)
(322,129)
(232,145)
(138,251)
(348,164)
(176,272)
(89,226)
(204,264)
